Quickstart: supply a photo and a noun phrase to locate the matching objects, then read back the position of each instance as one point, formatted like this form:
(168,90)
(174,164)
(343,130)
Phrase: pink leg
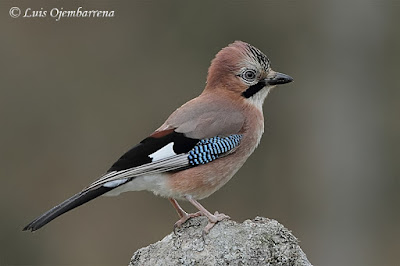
(181,212)
(184,215)
(212,218)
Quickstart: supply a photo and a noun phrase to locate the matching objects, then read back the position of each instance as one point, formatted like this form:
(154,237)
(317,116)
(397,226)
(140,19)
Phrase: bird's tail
(69,204)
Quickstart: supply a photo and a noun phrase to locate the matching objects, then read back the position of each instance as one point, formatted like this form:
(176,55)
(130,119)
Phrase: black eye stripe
(253,89)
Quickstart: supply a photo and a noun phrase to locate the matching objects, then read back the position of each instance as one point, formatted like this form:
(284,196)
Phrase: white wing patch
(164,152)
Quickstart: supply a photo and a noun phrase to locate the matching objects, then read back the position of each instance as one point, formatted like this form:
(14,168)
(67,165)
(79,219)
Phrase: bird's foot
(184,218)
(213,219)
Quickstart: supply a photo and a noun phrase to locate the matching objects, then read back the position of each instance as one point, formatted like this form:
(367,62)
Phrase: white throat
(258,99)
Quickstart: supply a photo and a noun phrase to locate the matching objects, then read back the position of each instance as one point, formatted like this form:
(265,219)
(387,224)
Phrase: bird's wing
(194,134)
(160,152)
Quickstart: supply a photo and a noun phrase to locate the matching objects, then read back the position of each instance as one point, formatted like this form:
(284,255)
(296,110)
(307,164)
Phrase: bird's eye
(249,75)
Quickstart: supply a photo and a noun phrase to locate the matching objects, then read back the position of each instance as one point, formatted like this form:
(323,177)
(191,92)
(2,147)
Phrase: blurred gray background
(77,93)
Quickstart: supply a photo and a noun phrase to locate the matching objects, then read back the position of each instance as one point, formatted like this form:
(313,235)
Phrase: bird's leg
(181,212)
(212,218)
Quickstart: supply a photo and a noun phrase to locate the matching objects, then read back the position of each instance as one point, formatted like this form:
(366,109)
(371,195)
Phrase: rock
(260,241)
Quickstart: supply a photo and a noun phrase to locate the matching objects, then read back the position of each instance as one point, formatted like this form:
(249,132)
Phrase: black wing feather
(139,154)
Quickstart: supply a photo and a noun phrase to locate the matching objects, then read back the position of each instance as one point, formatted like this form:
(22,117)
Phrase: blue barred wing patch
(207,150)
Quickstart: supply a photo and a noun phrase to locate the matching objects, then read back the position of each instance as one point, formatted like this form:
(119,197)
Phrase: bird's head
(243,69)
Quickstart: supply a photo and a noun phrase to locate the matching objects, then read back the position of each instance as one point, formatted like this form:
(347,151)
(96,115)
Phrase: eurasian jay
(200,146)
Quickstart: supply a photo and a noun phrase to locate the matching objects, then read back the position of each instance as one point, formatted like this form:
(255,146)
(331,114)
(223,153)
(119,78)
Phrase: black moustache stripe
(253,89)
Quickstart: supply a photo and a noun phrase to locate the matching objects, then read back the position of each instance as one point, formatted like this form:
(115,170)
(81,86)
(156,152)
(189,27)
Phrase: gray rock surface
(260,241)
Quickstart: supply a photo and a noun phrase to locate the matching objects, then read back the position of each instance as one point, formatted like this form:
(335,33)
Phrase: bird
(200,146)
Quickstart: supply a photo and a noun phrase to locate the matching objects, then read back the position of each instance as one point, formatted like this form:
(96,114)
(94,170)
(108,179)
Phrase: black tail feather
(67,205)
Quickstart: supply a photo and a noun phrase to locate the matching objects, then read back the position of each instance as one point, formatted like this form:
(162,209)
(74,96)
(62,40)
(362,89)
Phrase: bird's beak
(276,78)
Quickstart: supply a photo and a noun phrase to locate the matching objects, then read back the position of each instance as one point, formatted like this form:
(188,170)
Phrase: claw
(213,219)
(184,218)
